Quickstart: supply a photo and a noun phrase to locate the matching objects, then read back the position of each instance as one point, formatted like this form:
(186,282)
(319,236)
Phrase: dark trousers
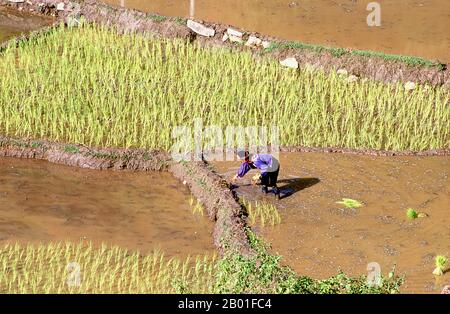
(269,179)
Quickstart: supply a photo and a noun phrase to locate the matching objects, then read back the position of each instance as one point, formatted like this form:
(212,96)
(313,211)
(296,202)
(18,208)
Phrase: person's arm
(245,167)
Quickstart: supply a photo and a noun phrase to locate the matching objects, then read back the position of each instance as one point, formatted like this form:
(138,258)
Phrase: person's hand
(256,178)
(234,179)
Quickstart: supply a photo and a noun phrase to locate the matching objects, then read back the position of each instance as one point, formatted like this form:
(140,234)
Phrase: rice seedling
(440,262)
(94,86)
(82,268)
(198,208)
(350,203)
(411,213)
(261,212)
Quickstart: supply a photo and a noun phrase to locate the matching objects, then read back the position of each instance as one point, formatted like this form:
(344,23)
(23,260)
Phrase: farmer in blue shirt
(269,166)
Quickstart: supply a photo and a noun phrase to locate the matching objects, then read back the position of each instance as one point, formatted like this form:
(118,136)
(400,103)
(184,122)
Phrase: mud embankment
(215,194)
(374,67)
(85,157)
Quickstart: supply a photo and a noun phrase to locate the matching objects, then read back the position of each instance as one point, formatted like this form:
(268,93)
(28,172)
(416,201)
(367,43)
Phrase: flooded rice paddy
(408,27)
(317,236)
(44,202)
(14,23)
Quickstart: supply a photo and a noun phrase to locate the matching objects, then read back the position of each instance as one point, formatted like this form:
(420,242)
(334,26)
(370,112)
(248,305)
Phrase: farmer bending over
(269,166)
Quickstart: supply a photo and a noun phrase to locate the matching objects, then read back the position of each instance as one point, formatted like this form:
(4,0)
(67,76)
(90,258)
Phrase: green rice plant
(350,203)
(261,212)
(83,268)
(411,213)
(440,262)
(95,86)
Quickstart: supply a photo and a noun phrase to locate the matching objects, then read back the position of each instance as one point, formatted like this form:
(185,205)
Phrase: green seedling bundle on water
(411,213)
(94,86)
(440,262)
(350,203)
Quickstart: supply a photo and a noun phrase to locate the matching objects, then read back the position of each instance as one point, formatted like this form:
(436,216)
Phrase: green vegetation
(350,203)
(180,20)
(156,18)
(338,52)
(71,149)
(411,213)
(50,268)
(440,265)
(262,273)
(45,269)
(261,212)
(93,86)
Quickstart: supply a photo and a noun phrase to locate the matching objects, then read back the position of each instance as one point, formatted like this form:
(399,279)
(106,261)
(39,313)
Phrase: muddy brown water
(14,23)
(44,202)
(408,27)
(317,236)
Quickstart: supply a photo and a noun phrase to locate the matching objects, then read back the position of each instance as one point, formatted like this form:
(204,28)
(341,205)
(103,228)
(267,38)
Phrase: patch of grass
(350,203)
(19,143)
(156,18)
(36,144)
(114,90)
(104,155)
(180,20)
(71,149)
(409,60)
(338,52)
(146,156)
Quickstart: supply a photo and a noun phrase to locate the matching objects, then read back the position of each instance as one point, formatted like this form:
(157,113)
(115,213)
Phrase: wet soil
(317,236)
(14,23)
(43,202)
(408,27)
